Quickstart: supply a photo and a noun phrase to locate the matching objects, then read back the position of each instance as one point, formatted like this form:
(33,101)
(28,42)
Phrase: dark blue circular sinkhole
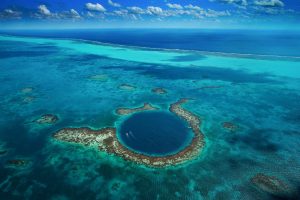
(155,133)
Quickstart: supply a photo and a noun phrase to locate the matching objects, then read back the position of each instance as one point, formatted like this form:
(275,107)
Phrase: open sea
(248,79)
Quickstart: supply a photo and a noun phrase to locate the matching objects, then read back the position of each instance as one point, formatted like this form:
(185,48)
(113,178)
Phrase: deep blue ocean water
(260,95)
(155,133)
(260,42)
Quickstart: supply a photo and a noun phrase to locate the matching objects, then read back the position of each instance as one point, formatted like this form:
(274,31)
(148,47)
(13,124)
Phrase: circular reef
(154,133)
(175,147)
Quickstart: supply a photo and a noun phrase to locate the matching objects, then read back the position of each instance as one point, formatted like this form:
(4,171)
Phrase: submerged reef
(127,111)
(28,99)
(99,77)
(18,163)
(127,87)
(210,87)
(27,90)
(159,91)
(106,140)
(3,152)
(47,119)
(27,96)
(229,126)
(271,185)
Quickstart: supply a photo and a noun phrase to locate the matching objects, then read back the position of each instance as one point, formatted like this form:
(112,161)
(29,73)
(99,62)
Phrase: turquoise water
(155,133)
(260,95)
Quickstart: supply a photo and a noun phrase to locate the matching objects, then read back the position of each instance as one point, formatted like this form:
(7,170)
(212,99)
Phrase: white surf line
(279,68)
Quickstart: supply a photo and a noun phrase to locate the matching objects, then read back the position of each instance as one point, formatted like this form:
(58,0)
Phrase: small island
(106,140)
(127,111)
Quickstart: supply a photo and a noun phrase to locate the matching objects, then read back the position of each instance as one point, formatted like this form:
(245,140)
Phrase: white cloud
(269,3)
(9,11)
(95,7)
(10,14)
(237,2)
(114,4)
(192,7)
(45,13)
(44,10)
(213,13)
(154,10)
(136,10)
(175,6)
(96,10)
(188,10)
(74,14)
(125,14)
(89,14)
(71,14)
(121,13)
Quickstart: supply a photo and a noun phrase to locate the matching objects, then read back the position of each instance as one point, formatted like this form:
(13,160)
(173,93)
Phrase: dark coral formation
(47,119)
(106,140)
(3,152)
(271,185)
(127,111)
(18,163)
(229,126)
(115,186)
(159,91)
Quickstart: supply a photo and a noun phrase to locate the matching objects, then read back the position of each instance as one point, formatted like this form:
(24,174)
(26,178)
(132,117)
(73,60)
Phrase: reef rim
(106,140)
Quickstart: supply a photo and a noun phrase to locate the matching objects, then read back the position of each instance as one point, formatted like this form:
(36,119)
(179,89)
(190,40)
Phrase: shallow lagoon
(260,95)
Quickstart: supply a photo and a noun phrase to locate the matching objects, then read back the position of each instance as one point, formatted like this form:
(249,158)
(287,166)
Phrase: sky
(257,14)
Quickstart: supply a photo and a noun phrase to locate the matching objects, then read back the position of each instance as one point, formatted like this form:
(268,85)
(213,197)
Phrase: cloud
(269,3)
(237,2)
(188,10)
(95,7)
(10,14)
(213,13)
(154,10)
(45,13)
(272,10)
(192,7)
(71,14)
(136,10)
(125,14)
(174,6)
(120,13)
(96,10)
(74,14)
(110,2)
(44,10)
